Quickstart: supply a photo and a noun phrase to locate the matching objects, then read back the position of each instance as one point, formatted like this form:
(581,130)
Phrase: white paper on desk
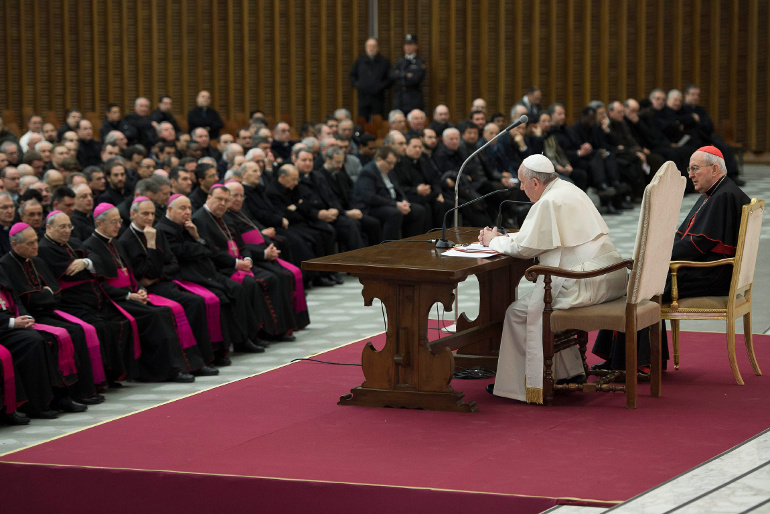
(475,251)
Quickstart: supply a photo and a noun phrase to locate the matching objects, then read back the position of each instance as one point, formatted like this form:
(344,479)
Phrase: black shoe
(114,385)
(92,400)
(249,347)
(491,388)
(222,361)
(14,419)
(183,378)
(605,192)
(67,404)
(206,371)
(286,338)
(323,282)
(577,379)
(43,414)
(602,366)
(337,278)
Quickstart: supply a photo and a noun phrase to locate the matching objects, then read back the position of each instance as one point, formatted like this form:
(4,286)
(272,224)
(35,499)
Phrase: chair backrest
(747,247)
(655,233)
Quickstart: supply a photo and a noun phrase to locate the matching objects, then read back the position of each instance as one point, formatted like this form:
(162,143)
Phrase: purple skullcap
(216,185)
(102,208)
(230,181)
(18,227)
(52,213)
(140,199)
(174,197)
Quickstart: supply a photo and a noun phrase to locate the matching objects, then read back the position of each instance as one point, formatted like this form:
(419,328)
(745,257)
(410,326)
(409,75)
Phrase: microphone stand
(500,213)
(512,126)
(444,242)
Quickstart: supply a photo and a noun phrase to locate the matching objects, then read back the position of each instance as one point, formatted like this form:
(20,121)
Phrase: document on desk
(475,250)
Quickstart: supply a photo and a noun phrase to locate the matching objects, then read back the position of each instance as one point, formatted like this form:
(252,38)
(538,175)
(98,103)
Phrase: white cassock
(563,229)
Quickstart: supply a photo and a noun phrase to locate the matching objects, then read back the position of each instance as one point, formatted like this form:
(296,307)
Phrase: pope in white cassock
(563,229)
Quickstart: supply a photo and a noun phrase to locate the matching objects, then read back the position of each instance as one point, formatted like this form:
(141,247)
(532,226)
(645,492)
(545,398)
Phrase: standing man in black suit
(371,76)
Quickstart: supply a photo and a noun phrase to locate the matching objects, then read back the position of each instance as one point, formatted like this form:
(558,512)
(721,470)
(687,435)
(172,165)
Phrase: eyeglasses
(63,226)
(695,168)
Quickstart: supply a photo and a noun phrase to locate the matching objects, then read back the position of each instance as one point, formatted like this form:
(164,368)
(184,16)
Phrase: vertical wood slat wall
(292,58)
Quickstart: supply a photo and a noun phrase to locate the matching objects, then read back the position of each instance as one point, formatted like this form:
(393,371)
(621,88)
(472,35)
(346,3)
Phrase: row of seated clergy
(137,308)
(563,229)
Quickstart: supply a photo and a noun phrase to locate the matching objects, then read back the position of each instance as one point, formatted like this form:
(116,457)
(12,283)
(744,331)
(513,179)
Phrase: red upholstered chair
(738,301)
(640,308)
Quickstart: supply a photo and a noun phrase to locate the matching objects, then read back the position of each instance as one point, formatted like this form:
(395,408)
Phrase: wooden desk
(409,278)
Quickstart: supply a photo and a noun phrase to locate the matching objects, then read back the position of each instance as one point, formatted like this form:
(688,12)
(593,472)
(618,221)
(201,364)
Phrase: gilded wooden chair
(639,308)
(738,301)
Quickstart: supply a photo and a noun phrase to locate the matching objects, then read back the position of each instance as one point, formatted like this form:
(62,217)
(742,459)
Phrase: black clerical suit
(82,225)
(317,195)
(162,357)
(205,117)
(374,197)
(238,322)
(160,266)
(82,297)
(289,205)
(28,348)
(29,278)
(263,289)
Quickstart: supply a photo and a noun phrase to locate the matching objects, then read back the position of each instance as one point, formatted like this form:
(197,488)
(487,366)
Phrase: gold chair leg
(750,343)
(731,351)
(675,339)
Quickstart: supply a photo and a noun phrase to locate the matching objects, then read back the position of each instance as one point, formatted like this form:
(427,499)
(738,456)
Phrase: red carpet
(279,442)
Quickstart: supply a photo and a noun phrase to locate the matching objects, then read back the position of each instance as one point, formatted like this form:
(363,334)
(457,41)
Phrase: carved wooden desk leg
(404,373)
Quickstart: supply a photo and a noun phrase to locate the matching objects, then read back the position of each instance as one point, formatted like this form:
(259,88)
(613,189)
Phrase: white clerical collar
(133,226)
(411,56)
(109,239)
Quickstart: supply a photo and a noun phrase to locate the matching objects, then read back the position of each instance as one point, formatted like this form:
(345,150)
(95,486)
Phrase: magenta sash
(298,295)
(92,341)
(122,280)
(66,348)
(212,308)
(9,380)
(66,285)
(239,275)
(253,237)
(183,330)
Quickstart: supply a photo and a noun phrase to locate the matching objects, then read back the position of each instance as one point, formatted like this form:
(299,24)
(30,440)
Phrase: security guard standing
(407,75)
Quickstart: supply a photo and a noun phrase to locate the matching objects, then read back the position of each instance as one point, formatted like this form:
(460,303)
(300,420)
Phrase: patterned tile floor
(339,317)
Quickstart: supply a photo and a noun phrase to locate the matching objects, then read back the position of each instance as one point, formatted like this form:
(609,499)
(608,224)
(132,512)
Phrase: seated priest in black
(376,194)
(339,182)
(239,324)
(266,255)
(262,211)
(39,294)
(205,177)
(82,297)
(155,267)
(321,202)
(416,176)
(161,355)
(284,196)
(26,383)
(709,233)
(270,306)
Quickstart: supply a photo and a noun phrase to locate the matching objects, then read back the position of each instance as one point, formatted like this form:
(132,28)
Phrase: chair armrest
(533,271)
(675,265)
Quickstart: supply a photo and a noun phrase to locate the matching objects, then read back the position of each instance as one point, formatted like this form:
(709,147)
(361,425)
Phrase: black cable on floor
(472,373)
(326,362)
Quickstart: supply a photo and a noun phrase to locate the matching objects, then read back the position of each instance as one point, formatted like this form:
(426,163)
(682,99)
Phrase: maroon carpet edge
(53,489)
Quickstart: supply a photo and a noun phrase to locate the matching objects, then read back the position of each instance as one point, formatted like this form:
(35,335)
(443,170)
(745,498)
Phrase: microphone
(521,120)
(500,213)
(444,242)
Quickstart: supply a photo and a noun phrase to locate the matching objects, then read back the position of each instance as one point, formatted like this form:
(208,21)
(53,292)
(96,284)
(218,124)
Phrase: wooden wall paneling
(245,63)
(8,57)
(339,72)
(355,50)
(65,43)
(587,57)
(276,107)
(37,58)
(517,68)
(435,54)
(471,55)
(185,53)
(483,58)
(732,92)
(660,46)
(155,53)
(262,74)
(323,80)
(553,38)
(96,44)
(137,55)
(451,6)
(622,92)
(751,68)
(124,55)
(714,69)
(230,60)
(604,52)
(641,47)
(212,61)
(695,21)
(534,52)
(676,49)
(308,98)
(568,101)
(22,61)
(500,54)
